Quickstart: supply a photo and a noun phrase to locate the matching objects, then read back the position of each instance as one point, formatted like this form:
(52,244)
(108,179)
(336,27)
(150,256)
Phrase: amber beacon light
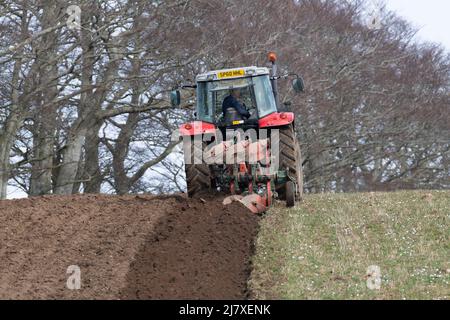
(272,57)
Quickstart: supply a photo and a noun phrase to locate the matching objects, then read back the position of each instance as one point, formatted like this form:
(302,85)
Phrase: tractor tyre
(291,159)
(198,173)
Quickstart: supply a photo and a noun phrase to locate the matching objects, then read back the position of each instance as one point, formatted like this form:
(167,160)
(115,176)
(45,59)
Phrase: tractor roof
(232,73)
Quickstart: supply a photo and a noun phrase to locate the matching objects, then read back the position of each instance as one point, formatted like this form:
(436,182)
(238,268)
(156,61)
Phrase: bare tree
(86,109)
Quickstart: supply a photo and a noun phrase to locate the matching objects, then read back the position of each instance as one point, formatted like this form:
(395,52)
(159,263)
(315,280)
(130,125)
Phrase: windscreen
(255,93)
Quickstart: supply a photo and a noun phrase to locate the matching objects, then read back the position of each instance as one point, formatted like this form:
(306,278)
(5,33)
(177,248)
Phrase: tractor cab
(254,88)
(249,87)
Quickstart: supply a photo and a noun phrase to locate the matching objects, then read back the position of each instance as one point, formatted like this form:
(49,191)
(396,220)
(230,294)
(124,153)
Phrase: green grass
(323,248)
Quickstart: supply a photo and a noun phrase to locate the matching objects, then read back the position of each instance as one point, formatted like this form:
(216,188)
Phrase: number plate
(231,74)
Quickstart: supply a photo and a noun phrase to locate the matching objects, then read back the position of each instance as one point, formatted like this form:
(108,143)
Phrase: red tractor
(239,101)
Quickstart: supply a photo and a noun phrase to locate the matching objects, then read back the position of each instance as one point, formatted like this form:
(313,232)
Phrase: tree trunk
(43,146)
(6,142)
(41,172)
(12,124)
(92,174)
(120,152)
(46,117)
(4,166)
(71,157)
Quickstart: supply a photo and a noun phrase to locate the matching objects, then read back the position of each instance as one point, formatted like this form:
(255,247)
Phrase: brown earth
(130,247)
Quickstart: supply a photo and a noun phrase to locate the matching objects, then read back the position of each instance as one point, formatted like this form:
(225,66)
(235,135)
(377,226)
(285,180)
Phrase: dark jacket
(232,102)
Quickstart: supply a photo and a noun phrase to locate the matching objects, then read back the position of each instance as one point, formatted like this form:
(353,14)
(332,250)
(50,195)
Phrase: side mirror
(175,98)
(298,85)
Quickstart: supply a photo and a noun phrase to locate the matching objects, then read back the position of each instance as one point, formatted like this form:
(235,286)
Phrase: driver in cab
(233,109)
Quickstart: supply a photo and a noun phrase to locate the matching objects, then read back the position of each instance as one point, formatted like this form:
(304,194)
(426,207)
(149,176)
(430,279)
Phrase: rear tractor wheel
(198,173)
(291,160)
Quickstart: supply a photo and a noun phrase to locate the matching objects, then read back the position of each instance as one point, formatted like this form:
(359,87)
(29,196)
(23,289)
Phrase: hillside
(147,247)
(126,247)
(324,248)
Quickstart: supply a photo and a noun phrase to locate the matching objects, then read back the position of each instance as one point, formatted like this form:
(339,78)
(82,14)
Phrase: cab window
(264,96)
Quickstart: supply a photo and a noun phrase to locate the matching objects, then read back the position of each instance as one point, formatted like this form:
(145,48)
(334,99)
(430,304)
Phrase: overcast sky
(431,16)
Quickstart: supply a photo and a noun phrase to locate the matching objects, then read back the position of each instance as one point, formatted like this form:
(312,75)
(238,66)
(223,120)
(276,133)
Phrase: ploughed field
(128,247)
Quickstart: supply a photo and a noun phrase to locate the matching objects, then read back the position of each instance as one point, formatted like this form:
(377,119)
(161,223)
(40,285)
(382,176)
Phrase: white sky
(432,17)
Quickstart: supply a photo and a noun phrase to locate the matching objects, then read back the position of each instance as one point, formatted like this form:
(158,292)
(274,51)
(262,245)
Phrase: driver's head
(236,93)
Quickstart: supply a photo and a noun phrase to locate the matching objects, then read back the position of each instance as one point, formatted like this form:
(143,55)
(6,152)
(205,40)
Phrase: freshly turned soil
(128,247)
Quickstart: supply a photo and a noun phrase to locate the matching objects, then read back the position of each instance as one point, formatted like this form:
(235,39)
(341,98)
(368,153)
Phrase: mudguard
(197,128)
(277,119)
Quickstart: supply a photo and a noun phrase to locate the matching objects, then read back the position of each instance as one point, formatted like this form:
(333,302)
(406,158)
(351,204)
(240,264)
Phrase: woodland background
(87,110)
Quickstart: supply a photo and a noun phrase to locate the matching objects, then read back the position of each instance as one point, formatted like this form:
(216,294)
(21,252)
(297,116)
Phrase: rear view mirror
(175,98)
(298,85)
